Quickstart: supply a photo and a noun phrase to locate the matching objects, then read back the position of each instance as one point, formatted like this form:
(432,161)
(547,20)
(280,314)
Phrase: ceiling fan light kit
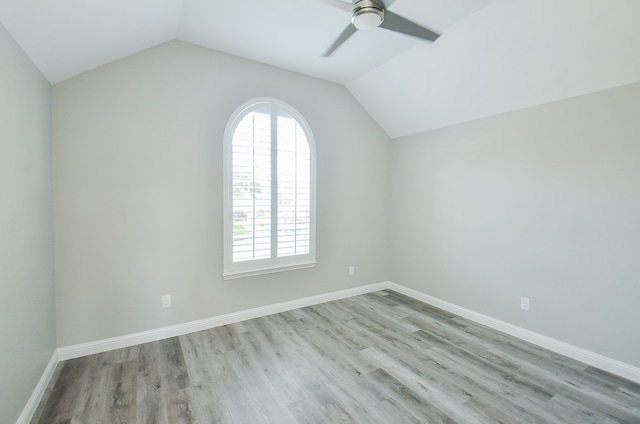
(367,14)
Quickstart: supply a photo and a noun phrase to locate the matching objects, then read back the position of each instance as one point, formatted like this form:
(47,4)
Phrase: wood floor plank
(176,385)
(570,411)
(518,398)
(151,407)
(327,316)
(228,393)
(94,403)
(336,350)
(446,352)
(375,358)
(436,388)
(390,411)
(180,406)
(421,307)
(321,398)
(491,411)
(254,358)
(609,382)
(349,382)
(223,336)
(627,396)
(423,372)
(172,360)
(66,392)
(122,391)
(419,405)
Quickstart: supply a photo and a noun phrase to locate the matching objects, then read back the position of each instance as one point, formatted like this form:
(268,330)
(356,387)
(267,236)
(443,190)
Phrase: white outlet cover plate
(166,301)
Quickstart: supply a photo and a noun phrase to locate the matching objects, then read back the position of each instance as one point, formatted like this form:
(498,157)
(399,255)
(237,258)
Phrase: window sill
(270,270)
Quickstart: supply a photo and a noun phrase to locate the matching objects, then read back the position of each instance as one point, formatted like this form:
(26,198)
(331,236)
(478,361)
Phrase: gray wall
(542,203)
(138,191)
(27,317)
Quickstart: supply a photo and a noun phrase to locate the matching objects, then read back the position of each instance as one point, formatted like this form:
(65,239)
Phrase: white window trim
(271,265)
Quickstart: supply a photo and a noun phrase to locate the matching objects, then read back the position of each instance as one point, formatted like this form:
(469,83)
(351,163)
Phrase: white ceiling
(508,56)
(67,37)
(494,55)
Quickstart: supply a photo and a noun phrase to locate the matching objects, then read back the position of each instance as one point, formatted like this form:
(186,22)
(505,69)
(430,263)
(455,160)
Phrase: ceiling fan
(369,14)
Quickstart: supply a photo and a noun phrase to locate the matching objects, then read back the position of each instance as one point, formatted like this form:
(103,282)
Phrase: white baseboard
(90,348)
(590,358)
(36,396)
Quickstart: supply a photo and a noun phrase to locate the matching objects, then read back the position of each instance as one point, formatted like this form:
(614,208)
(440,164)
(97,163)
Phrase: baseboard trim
(90,348)
(590,358)
(36,396)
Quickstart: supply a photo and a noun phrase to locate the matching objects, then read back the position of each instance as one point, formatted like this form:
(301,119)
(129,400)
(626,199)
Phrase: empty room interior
(289,211)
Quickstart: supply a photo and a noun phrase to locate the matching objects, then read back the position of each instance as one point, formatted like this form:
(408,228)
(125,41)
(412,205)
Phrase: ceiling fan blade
(397,23)
(339,4)
(348,32)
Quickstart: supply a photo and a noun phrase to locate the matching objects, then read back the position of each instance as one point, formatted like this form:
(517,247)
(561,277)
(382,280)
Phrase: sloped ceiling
(494,55)
(508,56)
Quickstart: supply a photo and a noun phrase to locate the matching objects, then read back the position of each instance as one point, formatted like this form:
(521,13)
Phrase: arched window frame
(274,263)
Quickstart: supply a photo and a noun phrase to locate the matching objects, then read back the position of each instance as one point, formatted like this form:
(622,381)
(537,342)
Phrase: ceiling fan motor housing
(367,14)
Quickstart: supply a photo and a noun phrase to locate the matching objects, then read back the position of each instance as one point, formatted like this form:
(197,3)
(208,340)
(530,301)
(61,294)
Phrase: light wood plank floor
(375,358)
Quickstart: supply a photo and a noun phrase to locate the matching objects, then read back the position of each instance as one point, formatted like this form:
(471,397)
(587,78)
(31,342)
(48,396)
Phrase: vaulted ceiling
(494,56)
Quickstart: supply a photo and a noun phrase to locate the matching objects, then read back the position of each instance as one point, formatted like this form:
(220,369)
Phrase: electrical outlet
(352,270)
(525,304)
(166,301)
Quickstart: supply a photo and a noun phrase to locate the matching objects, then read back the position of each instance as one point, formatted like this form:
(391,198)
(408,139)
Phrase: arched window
(269,190)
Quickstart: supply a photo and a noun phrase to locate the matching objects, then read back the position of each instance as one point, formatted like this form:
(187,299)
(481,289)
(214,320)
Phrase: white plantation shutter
(251,176)
(294,188)
(269,190)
